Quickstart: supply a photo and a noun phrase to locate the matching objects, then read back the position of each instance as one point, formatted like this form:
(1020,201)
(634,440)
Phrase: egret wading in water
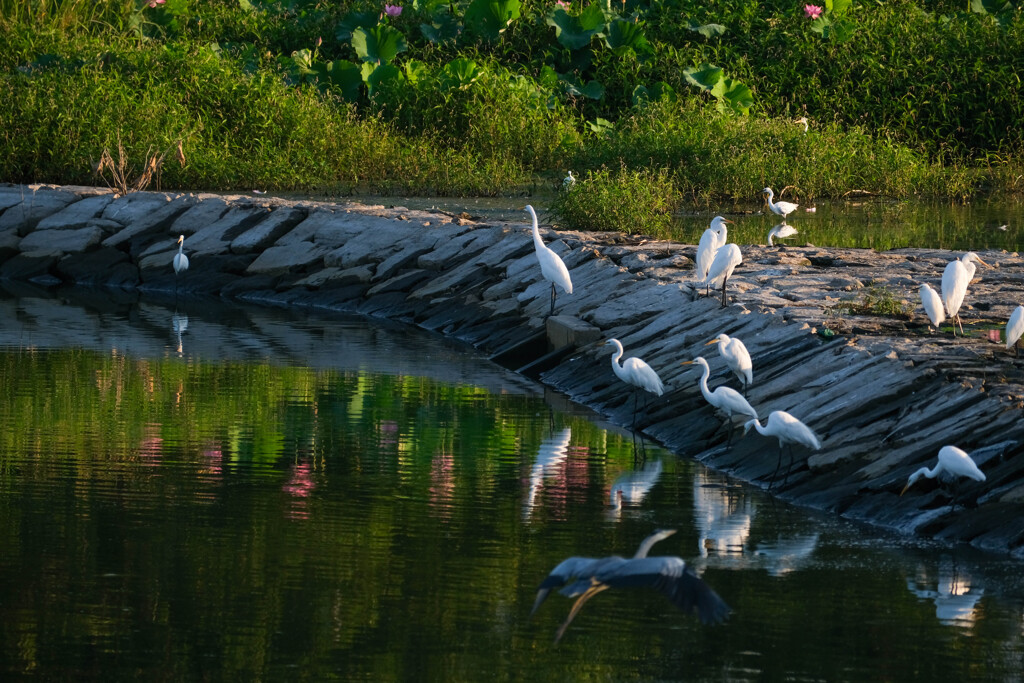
(711,241)
(585,577)
(955,278)
(780,208)
(788,430)
(953,462)
(551,266)
(932,306)
(736,356)
(1014,330)
(726,399)
(725,262)
(180,262)
(635,372)
(780,232)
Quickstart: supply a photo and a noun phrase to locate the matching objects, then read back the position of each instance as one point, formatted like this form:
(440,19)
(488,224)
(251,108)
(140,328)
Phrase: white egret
(953,462)
(781,208)
(736,357)
(803,120)
(932,305)
(788,430)
(636,372)
(780,232)
(585,577)
(568,181)
(726,399)
(955,278)
(725,262)
(180,260)
(551,266)
(710,242)
(1014,329)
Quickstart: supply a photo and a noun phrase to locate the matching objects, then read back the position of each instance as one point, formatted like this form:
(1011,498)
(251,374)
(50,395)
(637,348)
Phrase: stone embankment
(884,393)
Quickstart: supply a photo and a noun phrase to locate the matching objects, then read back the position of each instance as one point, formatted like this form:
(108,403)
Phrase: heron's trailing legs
(594,589)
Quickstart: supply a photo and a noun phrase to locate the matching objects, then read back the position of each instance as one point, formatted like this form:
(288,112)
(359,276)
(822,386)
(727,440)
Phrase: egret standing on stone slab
(932,305)
(736,357)
(780,232)
(180,260)
(781,208)
(585,577)
(953,462)
(726,260)
(788,430)
(635,372)
(1014,330)
(955,278)
(551,266)
(726,399)
(711,241)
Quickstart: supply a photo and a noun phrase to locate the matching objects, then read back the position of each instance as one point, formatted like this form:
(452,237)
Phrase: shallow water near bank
(205,491)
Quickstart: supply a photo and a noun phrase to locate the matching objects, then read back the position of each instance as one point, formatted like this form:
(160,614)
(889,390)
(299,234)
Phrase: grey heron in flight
(585,577)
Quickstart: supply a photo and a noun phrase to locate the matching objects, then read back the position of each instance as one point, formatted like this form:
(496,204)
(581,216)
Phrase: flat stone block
(77,214)
(67,241)
(282,259)
(565,330)
(34,207)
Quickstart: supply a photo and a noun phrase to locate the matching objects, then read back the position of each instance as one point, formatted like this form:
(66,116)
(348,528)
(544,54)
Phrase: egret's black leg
(777,466)
(725,298)
(552,311)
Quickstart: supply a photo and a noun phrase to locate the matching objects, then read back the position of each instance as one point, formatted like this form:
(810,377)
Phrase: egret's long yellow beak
(713,341)
(181,238)
(687,362)
(982,263)
(904,489)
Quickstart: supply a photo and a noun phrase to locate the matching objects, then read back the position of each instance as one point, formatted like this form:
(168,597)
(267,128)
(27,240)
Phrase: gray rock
(142,219)
(66,241)
(77,214)
(35,207)
(204,238)
(262,235)
(135,207)
(373,244)
(286,258)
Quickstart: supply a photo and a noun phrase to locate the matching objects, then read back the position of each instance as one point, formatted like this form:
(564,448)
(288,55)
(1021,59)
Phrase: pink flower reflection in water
(300,486)
(151,447)
(442,484)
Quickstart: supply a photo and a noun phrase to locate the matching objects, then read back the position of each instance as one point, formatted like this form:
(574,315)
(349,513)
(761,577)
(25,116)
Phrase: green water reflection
(198,517)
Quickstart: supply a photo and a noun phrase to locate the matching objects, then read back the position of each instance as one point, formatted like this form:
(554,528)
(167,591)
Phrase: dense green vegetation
(652,103)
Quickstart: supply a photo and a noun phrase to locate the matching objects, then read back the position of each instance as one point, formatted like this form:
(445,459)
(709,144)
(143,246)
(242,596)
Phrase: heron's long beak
(542,594)
(713,341)
(181,238)
(688,362)
(904,489)
(729,221)
(982,263)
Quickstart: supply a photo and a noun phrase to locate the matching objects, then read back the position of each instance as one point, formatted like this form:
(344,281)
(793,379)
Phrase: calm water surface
(209,493)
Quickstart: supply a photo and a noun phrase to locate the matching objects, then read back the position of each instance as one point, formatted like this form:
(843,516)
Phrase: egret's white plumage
(728,400)
(781,208)
(953,462)
(1015,327)
(932,305)
(803,120)
(711,241)
(779,232)
(788,430)
(635,371)
(180,260)
(551,266)
(955,278)
(568,181)
(736,356)
(725,262)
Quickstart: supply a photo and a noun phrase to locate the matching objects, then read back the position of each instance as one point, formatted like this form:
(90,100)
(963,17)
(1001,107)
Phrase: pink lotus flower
(561,4)
(154,3)
(812,11)
(392,10)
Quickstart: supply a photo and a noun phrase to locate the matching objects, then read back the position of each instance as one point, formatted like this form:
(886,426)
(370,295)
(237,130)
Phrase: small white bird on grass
(1014,330)
(725,262)
(932,306)
(551,266)
(788,430)
(955,278)
(180,262)
(635,372)
(781,208)
(780,232)
(726,399)
(953,462)
(803,120)
(736,356)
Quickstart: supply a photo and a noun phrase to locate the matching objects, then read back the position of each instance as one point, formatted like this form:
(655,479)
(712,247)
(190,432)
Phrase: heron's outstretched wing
(671,577)
(560,575)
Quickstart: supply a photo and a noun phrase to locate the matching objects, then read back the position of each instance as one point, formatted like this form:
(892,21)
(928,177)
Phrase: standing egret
(635,372)
(788,430)
(781,208)
(726,399)
(180,260)
(1014,330)
(568,181)
(932,305)
(955,278)
(736,357)
(585,577)
(803,120)
(953,462)
(711,241)
(725,262)
(780,232)
(551,266)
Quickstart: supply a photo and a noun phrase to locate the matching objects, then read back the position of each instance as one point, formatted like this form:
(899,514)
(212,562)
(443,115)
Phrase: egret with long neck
(551,266)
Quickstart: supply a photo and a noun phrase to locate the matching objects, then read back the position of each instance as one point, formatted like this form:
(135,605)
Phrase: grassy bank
(652,103)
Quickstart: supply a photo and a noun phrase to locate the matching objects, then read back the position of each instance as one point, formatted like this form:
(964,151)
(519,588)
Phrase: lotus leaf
(623,36)
(576,32)
(379,45)
(490,18)
(707,30)
(353,20)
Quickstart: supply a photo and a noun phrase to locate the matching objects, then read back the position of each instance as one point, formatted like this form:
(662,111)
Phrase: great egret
(551,266)
(736,357)
(568,181)
(725,262)
(1014,329)
(780,232)
(728,400)
(803,120)
(585,577)
(953,462)
(636,372)
(710,242)
(788,430)
(180,260)
(955,278)
(932,305)
(781,208)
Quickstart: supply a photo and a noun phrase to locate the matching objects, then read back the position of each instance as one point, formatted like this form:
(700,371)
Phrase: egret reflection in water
(956,595)
(630,488)
(723,516)
(550,457)
(179,323)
